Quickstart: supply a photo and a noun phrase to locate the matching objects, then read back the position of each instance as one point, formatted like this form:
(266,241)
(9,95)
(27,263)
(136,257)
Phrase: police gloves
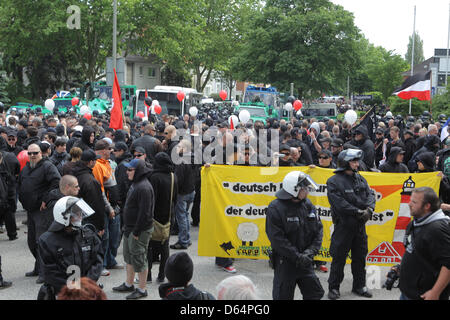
(364,215)
(303,260)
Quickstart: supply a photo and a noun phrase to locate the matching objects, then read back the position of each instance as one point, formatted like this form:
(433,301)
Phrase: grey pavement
(17,260)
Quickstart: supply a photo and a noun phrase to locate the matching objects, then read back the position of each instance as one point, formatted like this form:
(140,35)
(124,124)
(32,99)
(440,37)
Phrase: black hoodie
(366,145)
(84,142)
(140,203)
(391,165)
(161,181)
(168,291)
(91,192)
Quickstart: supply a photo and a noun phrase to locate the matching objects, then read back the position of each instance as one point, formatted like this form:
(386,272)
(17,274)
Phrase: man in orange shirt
(104,174)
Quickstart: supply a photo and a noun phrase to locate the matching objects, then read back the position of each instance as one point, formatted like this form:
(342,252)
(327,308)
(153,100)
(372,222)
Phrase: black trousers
(163,249)
(343,241)
(287,277)
(32,237)
(195,212)
(9,217)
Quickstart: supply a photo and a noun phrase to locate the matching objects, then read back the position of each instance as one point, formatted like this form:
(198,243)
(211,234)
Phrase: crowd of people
(129,180)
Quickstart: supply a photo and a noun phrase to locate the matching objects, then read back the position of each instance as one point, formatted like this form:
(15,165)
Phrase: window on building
(141,71)
(151,72)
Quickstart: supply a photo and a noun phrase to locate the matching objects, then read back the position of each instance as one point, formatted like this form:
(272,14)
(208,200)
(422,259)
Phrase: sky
(389,23)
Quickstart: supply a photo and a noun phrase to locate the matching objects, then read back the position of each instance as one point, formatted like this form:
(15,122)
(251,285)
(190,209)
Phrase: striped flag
(444,130)
(416,86)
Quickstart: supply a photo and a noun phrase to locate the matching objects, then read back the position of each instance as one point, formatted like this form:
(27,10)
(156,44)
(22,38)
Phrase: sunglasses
(324,158)
(130,169)
(138,155)
(11,139)
(33,153)
(166,133)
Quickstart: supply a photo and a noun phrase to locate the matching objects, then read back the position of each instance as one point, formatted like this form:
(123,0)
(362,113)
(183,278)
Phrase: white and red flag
(416,86)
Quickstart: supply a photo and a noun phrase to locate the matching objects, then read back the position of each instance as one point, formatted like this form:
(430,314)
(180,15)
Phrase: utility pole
(115,34)
(412,55)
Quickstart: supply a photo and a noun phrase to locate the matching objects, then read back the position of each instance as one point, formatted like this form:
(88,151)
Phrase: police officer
(69,243)
(295,232)
(352,203)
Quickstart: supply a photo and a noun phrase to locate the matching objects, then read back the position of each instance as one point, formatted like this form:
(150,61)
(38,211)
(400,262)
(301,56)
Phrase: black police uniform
(347,194)
(293,229)
(60,249)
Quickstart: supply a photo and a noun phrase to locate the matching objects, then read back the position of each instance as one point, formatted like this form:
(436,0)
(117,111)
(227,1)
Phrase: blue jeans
(111,240)
(182,216)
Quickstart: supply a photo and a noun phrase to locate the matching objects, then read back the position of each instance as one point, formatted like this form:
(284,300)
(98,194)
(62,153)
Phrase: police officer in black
(352,203)
(295,232)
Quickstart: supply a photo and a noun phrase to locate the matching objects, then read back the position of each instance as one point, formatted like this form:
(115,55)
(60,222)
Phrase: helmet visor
(80,210)
(353,154)
(308,184)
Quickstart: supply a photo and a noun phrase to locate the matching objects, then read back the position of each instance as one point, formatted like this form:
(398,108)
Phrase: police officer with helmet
(352,203)
(295,232)
(67,243)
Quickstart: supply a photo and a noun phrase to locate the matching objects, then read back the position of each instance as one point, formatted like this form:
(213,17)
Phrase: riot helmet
(70,211)
(293,182)
(344,158)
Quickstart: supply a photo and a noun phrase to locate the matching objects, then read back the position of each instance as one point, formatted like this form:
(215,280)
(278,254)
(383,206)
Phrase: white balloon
(84,109)
(235,120)
(49,104)
(244,116)
(193,111)
(288,106)
(351,116)
(299,113)
(155,103)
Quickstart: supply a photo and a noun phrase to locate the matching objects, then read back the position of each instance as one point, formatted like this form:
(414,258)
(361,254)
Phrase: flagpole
(448,45)
(412,55)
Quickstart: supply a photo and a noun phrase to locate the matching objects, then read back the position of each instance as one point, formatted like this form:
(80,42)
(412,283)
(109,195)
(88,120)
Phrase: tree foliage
(308,43)
(418,50)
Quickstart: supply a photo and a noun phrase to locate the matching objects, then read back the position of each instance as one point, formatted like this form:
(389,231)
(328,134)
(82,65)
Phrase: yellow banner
(234,201)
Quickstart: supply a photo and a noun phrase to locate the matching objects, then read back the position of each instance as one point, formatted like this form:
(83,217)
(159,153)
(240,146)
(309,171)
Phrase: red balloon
(180,96)
(87,115)
(158,109)
(23,158)
(75,101)
(297,105)
(140,114)
(223,94)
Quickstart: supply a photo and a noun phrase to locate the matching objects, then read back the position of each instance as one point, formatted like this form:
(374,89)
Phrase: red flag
(231,123)
(116,121)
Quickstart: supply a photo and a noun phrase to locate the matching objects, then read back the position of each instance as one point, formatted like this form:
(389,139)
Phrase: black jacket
(410,148)
(186,176)
(347,194)
(59,249)
(366,145)
(123,184)
(91,192)
(36,183)
(168,291)
(391,165)
(7,189)
(293,228)
(150,145)
(140,203)
(59,159)
(84,142)
(161,181)
(427,243)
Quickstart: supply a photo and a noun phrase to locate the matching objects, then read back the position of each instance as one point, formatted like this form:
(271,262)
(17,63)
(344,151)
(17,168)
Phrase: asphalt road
(17,260)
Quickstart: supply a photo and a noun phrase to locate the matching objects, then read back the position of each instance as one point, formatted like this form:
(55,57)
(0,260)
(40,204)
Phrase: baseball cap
(132,164)
(326,153)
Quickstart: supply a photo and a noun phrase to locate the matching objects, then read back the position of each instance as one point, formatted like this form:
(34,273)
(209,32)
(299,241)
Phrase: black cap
(337,142)
(325,152)
(88,155)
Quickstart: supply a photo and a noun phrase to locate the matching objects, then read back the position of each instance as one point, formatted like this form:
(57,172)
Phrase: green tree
(418,50)
(308,43)
(4,96)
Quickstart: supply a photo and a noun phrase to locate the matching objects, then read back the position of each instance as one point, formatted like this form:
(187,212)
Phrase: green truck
(258,111)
